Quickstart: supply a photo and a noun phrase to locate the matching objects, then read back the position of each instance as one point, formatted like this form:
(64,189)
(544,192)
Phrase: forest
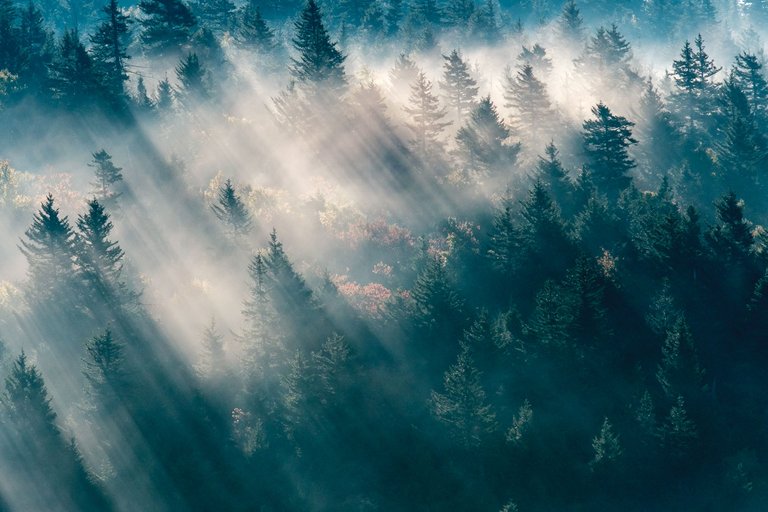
(375,255)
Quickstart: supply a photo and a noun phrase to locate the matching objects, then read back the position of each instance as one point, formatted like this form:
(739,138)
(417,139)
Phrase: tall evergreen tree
(167,25)
(108,177)
(193,81)
(482,143)
(426,117)
(231,210)
(252,30)
(527,97)
(37,50)
(319,67)
(458,86)
(554,178)
(606,142)
(748,74)
(679,372)
(570,25)
(463,406)
(105,371)
(74,81)
(109,51)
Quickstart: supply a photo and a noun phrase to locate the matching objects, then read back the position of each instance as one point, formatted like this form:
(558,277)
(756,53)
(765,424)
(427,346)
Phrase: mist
(383,255)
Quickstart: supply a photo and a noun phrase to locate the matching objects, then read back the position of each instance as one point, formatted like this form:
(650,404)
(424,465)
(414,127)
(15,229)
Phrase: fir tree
(536,57)
(679,372)
(570,25)
(426,114)
(554,178)
(732,238)
(74,81)
(109,50)
(108,177)
(527,97)
(678,433)
(105,370)
(164,95)
(37,50)
(458,13)
(193,80)
(167,25)
(483,25)
(749,77)
(231,210)
(459,88)
(212,360)
(694,88)
(27,400)
(403,74)
(393,17)
(504,245)
(252,30)
(606,446)
(217,15)
(49,248)
(142,100)
(463,406)
(606,142)
(435,299)
(548,324)
(482,143)
(10,50)
(320,65)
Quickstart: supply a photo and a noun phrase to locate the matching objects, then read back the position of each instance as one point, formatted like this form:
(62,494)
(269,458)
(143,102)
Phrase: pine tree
(74,81)
(459,88)
(101,259)
(142,101)
(252,30)
(748,76)
(37,50)
(679,372)
(164,95)
(403,74)
(105,371)
(606,142)
(217,15)
(167,25)
(463,406)
(527,97)
(320,65)
(678,433)
(108,177)
(426,114)
(49,248)
(232,211)
(10,50)
(554,178)
(606,446)
(570,25)
(109,51)
(482,143)
(732,239)
(212,360)
(193,80)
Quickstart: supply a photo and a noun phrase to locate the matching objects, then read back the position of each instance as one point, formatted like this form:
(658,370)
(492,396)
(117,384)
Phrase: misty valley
(383,255)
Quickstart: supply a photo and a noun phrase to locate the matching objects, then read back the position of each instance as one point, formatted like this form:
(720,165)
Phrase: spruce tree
(458,86)
(167,25)
(731,239)
(536,57)
(108,178)
(607,138)
(109,51)
(193,81)
(551,174)
(49,248)
(679,373)
(212,361)
(105,371)
(606,446)
(164,95)
(749,76)
(10,49)
(319,68)
(142,100)
(462,405)
(403,74)
(678,432)
(482,143)
(570,25)
(435,299)
(74,81)
(216,15)
(37,50)
(252,30)
(231,210)
(504,243)
(458,13)
(426,117)
(526,96)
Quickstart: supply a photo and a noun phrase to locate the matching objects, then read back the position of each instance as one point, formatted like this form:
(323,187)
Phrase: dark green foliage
(167,25)
(109,50)
(695,90)
(555,179)
(482,144)
(217,15)
(527,97)
(319,67)
(679,373)
(164,95)
(193,81)
(231,210)
(606,142)
(105,371)
(73,79)
(252,30)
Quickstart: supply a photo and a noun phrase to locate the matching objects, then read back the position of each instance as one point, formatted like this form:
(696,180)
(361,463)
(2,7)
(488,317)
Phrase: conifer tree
(164,95)
(504,245)
(458,86)
(426,114)
(536,57)
(570,25)
(142,100)
(216,15)
(678,433)
(212,360)
(585,292)
(694,88)
(109,50)
(108,177)
(49,248)
(732,238)
(606,446)
(231,210)
(551,317)
(264,350)
(105,371)
(193,81)
(659,139)
(27,400)
(462,406)
(403,74)
(167,25)
(458,13)
(10,50)
(554,178)
(319,67)
(527,98)
(606,142)
(37,50)
(74,81)
(435,298)
(252,29)
(679,372)
(748,75)
(393,18)
(482,143)
(483,25)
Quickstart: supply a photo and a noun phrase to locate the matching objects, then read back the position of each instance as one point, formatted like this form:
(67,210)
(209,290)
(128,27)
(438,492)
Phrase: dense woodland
(383,255)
